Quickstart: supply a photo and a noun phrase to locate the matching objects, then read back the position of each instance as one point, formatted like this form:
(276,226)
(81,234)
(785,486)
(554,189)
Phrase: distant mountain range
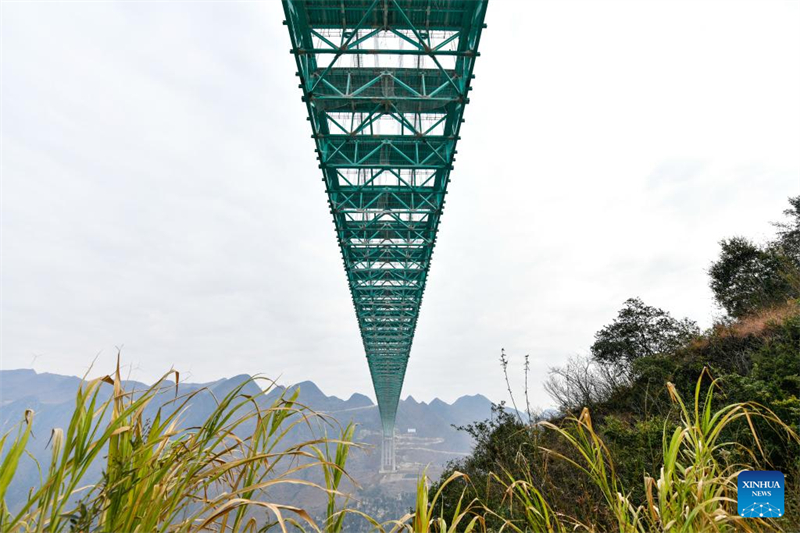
(425,433)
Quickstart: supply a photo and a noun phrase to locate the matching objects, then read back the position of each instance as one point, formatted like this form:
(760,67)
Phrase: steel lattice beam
(385,83)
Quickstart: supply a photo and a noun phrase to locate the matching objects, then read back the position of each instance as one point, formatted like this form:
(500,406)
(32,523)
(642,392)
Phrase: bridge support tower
(388,454)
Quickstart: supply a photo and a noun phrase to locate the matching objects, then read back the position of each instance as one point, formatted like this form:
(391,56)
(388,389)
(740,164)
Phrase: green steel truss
(386,83)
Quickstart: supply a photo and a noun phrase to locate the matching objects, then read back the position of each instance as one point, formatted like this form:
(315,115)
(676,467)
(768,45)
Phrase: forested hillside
(624,394)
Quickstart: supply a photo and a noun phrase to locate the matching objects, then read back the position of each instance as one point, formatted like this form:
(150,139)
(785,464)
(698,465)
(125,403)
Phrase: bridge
(385,83)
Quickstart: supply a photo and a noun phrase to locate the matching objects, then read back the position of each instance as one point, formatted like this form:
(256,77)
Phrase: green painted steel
(386,83)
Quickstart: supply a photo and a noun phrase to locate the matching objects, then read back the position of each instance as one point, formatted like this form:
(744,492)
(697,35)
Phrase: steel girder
(385,83)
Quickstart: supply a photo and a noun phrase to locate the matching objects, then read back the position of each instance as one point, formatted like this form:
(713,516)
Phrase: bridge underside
(386,83)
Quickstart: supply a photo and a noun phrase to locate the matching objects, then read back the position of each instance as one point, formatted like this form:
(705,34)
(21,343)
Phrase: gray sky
(160,191)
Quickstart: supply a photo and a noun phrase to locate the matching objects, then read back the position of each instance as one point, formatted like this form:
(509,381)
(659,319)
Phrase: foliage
(749,277)
(211,477)
(641,331)
(641,367)
(207,479)
(333,468)
(527,503)
(789,231)
(696,485)
(584,381)
(464,518)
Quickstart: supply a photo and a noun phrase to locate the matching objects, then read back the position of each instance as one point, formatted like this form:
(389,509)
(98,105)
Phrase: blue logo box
(760,493)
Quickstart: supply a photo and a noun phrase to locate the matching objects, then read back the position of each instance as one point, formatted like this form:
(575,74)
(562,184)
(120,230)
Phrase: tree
(748,277)
(583,382)
(641,330)
(789,232)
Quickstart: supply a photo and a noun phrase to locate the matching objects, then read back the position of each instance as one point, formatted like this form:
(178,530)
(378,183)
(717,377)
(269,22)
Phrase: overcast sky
(160,191)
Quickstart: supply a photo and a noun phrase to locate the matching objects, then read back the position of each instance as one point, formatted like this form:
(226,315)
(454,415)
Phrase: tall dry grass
(159,477)
(220,475)
(696,487)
